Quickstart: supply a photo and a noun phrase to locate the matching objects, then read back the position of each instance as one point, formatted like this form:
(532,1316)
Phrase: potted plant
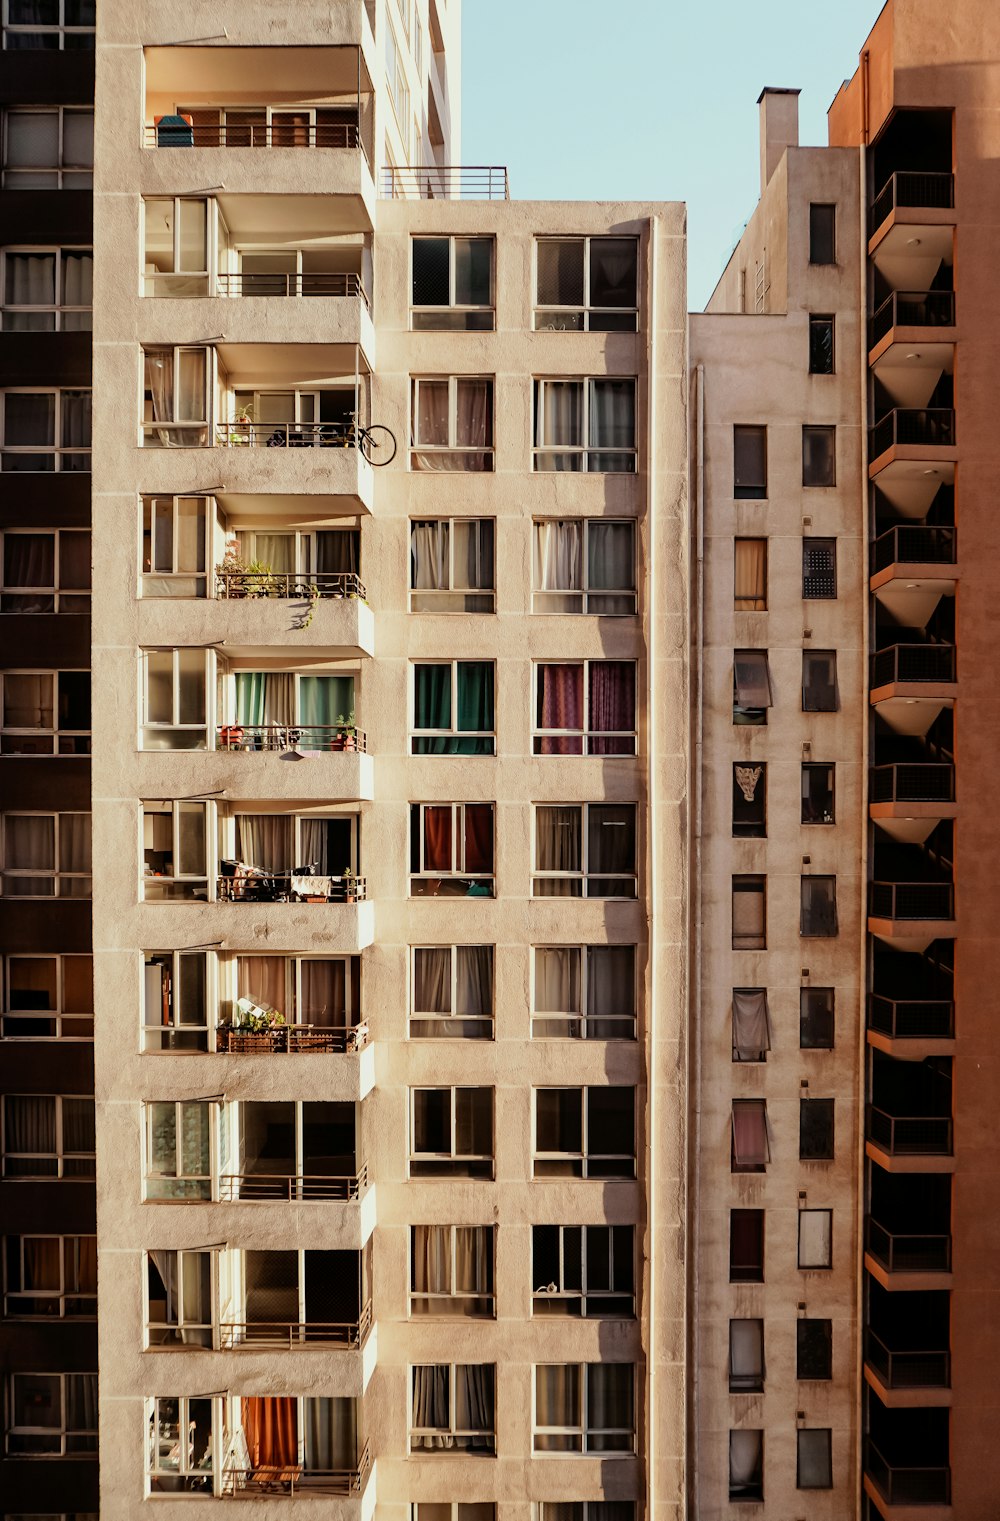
(243,419)
(231,571)
(346,736)
(254,1027)
(350,880)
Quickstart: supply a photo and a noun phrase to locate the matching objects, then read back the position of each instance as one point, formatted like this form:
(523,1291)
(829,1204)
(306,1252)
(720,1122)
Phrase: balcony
(909,915)
(902,1375)
(913,198)
(911,1028)
(912,433)
(894,1487)
(240,883)
(292,1040)
(290,1187)
(913,567)
(445,182)
(325,615)
(911,684)
(907,800)
(907,315)
(294,1480)
(902,1261)
(920,1142)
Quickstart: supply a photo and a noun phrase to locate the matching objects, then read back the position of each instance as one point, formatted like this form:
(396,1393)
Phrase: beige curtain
(262,978)
(751,1022)
(750,576)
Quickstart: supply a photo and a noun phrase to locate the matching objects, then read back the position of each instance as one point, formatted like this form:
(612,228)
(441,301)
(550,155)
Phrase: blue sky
(649,99)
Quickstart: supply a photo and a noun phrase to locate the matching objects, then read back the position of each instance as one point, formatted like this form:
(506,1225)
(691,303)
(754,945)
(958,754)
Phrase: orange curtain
(88,1264)
(270,1428)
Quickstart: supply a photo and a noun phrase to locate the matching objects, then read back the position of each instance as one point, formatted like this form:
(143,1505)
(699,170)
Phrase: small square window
(749,800)
(819,569)
(815,1238)
(818,792)
(816,1130)
(818,907)
(814,1349)
(750,575)
(822,234)
(819,456)
(814,1469)
(749,462)
(749,913)
(821,355)
(819,681)
(816,1019)
(746,1246)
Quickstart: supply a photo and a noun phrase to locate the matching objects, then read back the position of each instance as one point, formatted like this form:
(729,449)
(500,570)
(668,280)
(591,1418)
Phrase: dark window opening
(816,1019)
(816,1130)
(818,907)
(821,345)
(819,452)
(817,793)
(819,568)
(749,462)
(819,681)
(822,234)
(749,800)
(746,1246)
(814,1349)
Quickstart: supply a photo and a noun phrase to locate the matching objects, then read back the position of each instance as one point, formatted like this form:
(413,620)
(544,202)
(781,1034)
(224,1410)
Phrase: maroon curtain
(560,706)
(612,706)
(479,839)
(437,839)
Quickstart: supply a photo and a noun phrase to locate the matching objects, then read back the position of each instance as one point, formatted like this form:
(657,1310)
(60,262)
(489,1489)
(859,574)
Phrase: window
(818,906)
(50,1277)
(52,24)
(587,707)
(47,290)
(319,997)
(822,234)
(751,1025)
(451,992)
(746,1246)
(45,713)
(816,1019)
(749,913)
(750,575)
(46,855)
(819,681)
(287,1150)
(175,247)
(583,1270)
(746,1465)
(584,1408)
(746,1357)
(451,424)
(453,1510)
(749,801)
(451,850)
(751,688)
(586,284)
(583,1510)
(815,1238)
(174,698)
(451,1270)
(453,708)
(814,1349)
(175,1001)
(453,1408)
(583,565)
(48,998)
(179,1299)
(817,792)
(816,1130)
(174,851)
(44,430)
(584,992)
(418,43)
(52,1415)
(259,852)
(749,462)
(50,149)
(47,1136)
(395,72)
(751,1148)
(584,1133)
(452,289)
(46,572)
(174,546)
(585,850)
(819,568)
(821,351)
(178,1150)
(814,1466)
(819,453)
(451,1132)
(585,425)
(451,566)
(179,1466)
(175,412)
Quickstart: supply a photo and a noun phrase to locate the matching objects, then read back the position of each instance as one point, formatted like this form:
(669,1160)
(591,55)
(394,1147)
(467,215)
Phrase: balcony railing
(250,884)
(239,585)
(291,1040)
(906,1369)
(292,1479)
(930,427)
(912,1018)
(924,782)
(912,308)
(293,1188)
(910,1135)
(177,132)
(446,182)
(284,737)
(285,435)
(288,1334)
(909,1485)
(911,900)
(913,662)
(314,283)
(907,1254)
(907,188)
(915,545)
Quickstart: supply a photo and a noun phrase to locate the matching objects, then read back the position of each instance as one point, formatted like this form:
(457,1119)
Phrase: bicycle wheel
(378,444)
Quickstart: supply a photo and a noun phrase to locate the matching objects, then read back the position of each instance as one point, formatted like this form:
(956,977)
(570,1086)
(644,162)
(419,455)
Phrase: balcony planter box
(259,1042)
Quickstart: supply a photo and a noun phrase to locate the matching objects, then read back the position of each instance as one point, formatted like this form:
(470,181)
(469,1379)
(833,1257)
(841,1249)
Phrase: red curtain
(437,839)
(270,1428)
(560,706)
(479,839)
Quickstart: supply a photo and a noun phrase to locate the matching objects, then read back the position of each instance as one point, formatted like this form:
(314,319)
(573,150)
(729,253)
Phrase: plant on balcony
(255,1018)
(253,1027)
(243,419)
(243,578)
(350,879)
(346,737)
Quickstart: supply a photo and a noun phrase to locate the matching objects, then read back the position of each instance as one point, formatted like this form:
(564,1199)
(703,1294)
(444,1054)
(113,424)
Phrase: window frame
(816,233)
(12,177)
(458,842)
(429,1016)
(586,734)
(153,504)
(584,876)
(814,1267)
(191,1187)
(744,716)
(587,309)
(584,1160)
(808,908)
(56,591)
(52,1016)
(67,1437)
(744,1383)
(55,873)
(584,592)
(58,307)
(452,1433)
(581,1017)
(55,734)
(177,1025)
(831,1010)
(757,1106)
(813,579)
(453,733)
(740,603)
(565,1298)
(815,319)
(149,428)
(755,882)
(57,450)
(806,771)
(453,590)
(188,883)
(61,30)
(455,451)
(208,274)
(749,491)
(61,1295)
(149,728)
(454,1295)
(813,1431)
(814,690)
(809,431)
(60,1156)
(581,1431)
(585,449)
(181,1324)
(469,309)
(745,822)
(186,1471)
(808,1143)
(395,73)
(815,1320)
(743,1269)
(468,1165)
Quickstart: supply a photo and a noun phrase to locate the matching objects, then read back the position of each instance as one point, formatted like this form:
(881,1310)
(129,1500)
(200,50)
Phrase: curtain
(746,1353)
(338,552)
(746,1449)
(327,843)
(559,419)
(558,847)
(750,575)
(40,1255)
(474,1264)
(29,560)
(612,707)
(558,564)
(610,1397)
(263,978)
(87,1264)
(432,980)
(271,1431)
(751,1023)
(159,380)
(330,1430)
(74,849)
(432,707)
(324,994)
(474,979)
(430,1257)
(610,567)
(276,550)
(27,701)
(324,701)
(430,1414)
(75,413)
(558,1403)
(474,1405)
(749,932)
(751,679)
(750,1146)
(815,1232)
(610,991)
(479,839)
(165,1264)
(78,284)
(558,979)
(475,707)
(611,842)
(612,420)
(31,281)
(81,1402)
(559,705)
(29,1126)
(437,829)
(265,698)
(474,417)
(429,556)
(264,840)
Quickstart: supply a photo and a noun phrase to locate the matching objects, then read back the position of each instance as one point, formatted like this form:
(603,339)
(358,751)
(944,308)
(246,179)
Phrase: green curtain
(322,700)
(432,708)
(251,687)
(475,706)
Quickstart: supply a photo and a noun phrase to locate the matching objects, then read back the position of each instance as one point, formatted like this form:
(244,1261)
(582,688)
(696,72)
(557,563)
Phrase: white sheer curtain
(558,848)
(429,556)
(751,1023)
(746,1352)
(559,416)
(558,979)
(745,1451)
(558,563)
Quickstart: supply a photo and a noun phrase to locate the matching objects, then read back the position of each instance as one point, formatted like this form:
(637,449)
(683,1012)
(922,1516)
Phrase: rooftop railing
(912,308)
(911,1018)
(915,544)
(909,188)
(446,182)
(909,1135)
(313,284)
(907,1485)
(293,1188)
(932,663)
(915,427)
(911,900)
(900,1253)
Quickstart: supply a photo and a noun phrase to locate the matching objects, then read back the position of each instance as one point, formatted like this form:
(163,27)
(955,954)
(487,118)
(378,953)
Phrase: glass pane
(560,413)
(191,686)
(78,138)
(473,257)
(191,839)
(190,535)
(612,271)
(612,414)
(430,272)
(32,139)
(192,250)
(560,272)
(159,687)
(194,1139)
(74,560)
(432,1120)
(30,280)
(29,418)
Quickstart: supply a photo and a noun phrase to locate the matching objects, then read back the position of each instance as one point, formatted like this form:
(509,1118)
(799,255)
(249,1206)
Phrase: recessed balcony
(904,1376)
(905,1490)
(913,567)
(907,800)
(908,316)
(911,1028)
(910,1142)
(907,1262)
(914,199)
(909,915)
(925,434)
(912,683)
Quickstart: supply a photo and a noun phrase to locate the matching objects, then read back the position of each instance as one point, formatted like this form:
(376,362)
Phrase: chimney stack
(779,129)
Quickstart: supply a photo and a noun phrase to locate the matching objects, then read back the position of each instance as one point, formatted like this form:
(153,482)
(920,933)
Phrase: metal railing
(285,435)
(291,1040)
(253,885)
(915,544)
(908,1135)
(925,782)
(292,1188)
(913,662)
(175,132)
(921,427)
(315,283)
(908,188)
(911,900)
(240,585)
(907,1254)
(906,1369)
(909,1485)
(284,737)
(911,1018)
(288,1334)
(292,1479)
(446,182)
(912,308)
